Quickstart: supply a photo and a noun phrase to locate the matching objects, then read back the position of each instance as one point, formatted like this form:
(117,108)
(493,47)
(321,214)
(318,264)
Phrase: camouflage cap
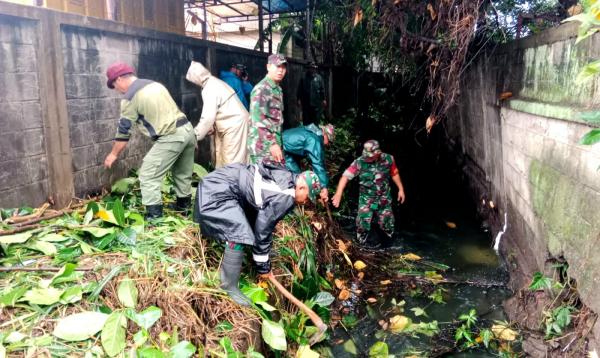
(329,129)
(371,149)
(312,181)
(277,59)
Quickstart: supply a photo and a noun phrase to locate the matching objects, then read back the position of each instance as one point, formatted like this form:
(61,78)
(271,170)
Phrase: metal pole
(261,43)
(204,23)
(270,29)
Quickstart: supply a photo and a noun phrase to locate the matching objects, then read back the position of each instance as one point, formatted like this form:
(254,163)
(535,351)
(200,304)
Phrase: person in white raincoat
(222,113)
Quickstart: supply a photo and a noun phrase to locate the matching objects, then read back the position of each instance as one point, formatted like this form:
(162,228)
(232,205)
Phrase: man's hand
(276,153)
(401,196)
(109,160)
(336,200)
(324,195)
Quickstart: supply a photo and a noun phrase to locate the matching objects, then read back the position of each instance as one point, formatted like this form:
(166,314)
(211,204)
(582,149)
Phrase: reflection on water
(467,250)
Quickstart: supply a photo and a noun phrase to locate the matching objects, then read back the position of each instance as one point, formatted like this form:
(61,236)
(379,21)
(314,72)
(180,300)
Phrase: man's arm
(397,180)
(208,116)
(348,175)
(117,148)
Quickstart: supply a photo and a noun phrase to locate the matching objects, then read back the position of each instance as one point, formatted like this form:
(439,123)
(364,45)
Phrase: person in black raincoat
(240,204)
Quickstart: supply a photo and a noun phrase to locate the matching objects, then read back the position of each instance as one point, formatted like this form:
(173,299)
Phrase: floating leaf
(502,332)
(350,347)
(79,326)
(183,349)
(323,299)
(42,296)
(15,238)
(399,323)
(344,295)
(411,257)
(304,351)
(274,335)
(113,333)
(418,311)
(44,247)
(127,293)
(359,265)
(379,350)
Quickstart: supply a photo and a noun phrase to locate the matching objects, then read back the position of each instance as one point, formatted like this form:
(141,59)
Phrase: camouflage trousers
(369,207)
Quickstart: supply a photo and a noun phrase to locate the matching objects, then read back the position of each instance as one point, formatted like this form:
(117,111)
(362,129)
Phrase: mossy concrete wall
(523,154)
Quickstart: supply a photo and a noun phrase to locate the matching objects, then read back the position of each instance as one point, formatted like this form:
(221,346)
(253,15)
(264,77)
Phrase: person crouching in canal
(240,205)
(374,169)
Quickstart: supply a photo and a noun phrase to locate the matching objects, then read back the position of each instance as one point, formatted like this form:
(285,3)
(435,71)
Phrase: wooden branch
(19,229)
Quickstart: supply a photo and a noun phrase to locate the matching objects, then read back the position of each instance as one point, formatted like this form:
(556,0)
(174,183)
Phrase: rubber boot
(182,204)
(153,212)
(230,275)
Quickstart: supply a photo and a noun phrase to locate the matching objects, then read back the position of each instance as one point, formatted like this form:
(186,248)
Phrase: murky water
(467,250)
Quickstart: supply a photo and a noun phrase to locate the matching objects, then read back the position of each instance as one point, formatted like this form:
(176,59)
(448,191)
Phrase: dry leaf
(338,283)
(263,284)
(432,12)
(344,295)
(298,272)
(329,275)
(429,123)
(505,95)
(359,265)
(341,246)
(317,225)
(385,282)
(504,333)
(358,16)
(450,224)
(361,275)
(371,300)
(411,257)
(304,351)
(398,323)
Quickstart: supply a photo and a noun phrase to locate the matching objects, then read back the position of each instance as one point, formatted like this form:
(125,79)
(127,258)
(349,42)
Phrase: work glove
(263,268)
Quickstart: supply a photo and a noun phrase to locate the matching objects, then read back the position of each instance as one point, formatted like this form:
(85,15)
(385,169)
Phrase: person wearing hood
(240,205)
(222,113)
(148,106)
(236,80)
(309,141)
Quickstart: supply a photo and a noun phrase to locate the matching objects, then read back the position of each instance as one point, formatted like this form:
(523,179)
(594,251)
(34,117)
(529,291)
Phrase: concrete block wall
(23,163)
(524,154)
(58,118)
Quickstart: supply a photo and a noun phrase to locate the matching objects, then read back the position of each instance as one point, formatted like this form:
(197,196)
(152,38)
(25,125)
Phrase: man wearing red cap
(149,106)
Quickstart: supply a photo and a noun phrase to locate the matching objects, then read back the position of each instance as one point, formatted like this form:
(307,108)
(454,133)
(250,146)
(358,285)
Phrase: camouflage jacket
(373,176)
(266,116)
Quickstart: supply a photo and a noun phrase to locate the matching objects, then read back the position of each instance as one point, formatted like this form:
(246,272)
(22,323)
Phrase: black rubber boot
(182,204)
(153,212)
(230,275)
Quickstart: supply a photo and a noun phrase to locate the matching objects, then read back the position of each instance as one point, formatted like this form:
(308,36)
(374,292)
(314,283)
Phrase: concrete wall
(523,153)
(58,118)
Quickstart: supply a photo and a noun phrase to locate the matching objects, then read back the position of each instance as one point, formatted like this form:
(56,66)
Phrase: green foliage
(470,318)
(557,320)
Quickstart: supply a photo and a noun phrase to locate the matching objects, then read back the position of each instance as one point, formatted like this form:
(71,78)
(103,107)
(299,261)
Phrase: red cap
(115,70)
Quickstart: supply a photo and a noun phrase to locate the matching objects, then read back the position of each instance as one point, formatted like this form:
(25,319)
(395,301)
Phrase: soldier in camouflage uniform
(266,114)
(374,169)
